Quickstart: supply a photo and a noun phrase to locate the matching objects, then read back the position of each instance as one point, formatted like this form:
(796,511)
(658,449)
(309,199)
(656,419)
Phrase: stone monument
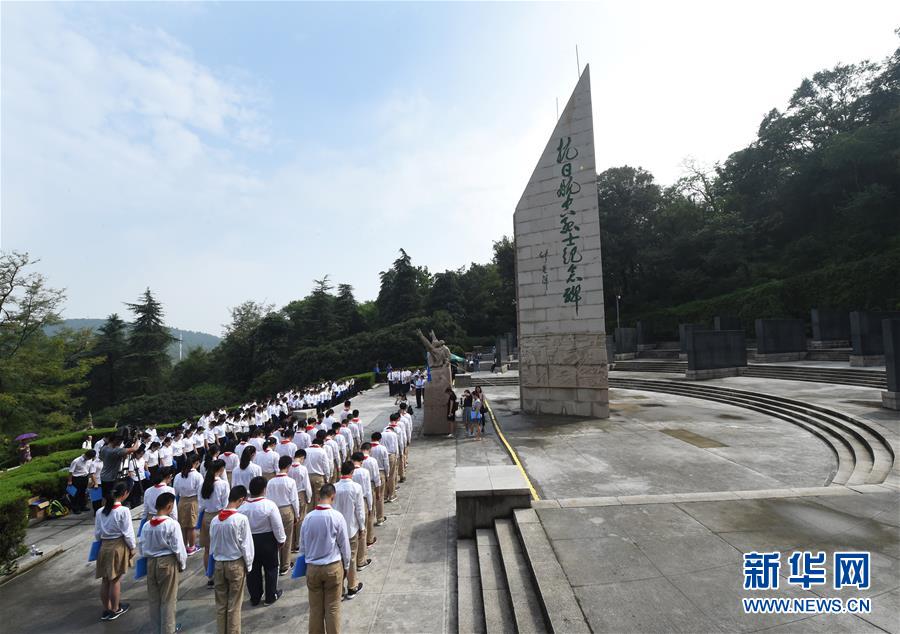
(434,420)
(559,289)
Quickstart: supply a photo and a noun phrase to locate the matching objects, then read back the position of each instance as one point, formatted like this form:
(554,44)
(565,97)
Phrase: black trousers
(80,483)
(419,392)
(392,388)
(265,564)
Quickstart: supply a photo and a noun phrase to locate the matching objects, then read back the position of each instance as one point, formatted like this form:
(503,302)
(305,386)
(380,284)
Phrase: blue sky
(233,151)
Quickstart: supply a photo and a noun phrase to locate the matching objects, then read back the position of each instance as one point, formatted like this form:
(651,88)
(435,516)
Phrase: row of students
(252,531)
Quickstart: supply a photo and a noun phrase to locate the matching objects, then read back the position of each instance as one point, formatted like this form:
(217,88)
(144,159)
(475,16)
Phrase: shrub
(168,406)
(361,381)
(73,440)
(13,523)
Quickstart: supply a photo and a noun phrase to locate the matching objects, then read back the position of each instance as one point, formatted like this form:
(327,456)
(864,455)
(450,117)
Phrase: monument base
(890,400)
(825,345)
(434,409)
(564,374)
(625,356)
(780,357)
(714,373)
(864,361)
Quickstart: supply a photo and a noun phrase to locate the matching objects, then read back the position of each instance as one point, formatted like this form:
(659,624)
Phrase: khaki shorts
(113,560)
(188,512)
(204,528)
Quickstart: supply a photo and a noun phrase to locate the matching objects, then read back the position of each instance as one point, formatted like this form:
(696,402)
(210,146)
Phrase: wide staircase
(863,454)
(494,380)
(509,581)
(843,376)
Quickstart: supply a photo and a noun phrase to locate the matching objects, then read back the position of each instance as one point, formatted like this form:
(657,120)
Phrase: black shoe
(351,594)
(278,594)
(210,584)
(123,608)
(254,603)
(105,616)
(368,561)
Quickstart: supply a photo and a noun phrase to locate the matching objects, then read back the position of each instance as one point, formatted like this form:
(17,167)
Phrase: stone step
(522,591)
(561,608)
(498,610)
(864,455)
(469,606)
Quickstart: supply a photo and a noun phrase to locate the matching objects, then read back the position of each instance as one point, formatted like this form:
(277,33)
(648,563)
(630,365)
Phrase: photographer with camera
(113,456)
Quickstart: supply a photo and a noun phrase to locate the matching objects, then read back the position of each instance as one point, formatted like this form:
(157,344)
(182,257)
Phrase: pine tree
(108,377)
(147,355)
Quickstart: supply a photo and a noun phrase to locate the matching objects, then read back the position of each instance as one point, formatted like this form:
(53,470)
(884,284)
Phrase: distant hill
(191,338)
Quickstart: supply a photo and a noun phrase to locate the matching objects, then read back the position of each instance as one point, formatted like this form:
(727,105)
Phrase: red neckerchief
(375,444)
(296,464)
(266,450)
(224,514)
(286,441)
(251,501)
(280,475)
(346,477)
(310,427)
(159,486)
(117,505)
(228,453)
(156,521)
(323,508)
(354,420)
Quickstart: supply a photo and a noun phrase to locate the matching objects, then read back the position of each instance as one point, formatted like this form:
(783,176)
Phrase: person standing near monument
(282,490)
(115,532)
(268,535)
(382,456)
(300,475)
(350,503)
(163,546)
(325,544)
(231,546)
(79,473)
(390,439)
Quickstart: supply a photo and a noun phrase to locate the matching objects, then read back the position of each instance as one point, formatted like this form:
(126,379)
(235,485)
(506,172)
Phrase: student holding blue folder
(163,546)
(113,528)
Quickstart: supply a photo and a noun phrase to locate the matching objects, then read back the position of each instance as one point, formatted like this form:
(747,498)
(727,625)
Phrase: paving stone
(603,560)
(646,605)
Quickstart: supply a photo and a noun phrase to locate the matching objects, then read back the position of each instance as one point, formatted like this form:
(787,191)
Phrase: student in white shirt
(178,450)
(136,470)
(213,498)
(286,446)
(231,546)
(363,478)
(267,459)
(300,476)
(268,536)
(326,546)
(187,486)
(151,458)
(349,502)
(231,460)
(79,476)
(370,464)
(166,453)
(161,484)
(113,528)
(163,546)
(382,456)
(247,468)
(282,490)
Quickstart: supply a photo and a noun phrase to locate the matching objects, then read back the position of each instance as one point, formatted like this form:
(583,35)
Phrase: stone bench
(488,493)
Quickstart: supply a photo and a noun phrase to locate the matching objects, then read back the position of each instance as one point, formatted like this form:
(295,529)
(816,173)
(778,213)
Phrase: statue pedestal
(434,409)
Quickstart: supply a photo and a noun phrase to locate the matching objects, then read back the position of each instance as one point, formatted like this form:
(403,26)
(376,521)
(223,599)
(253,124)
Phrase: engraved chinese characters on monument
(559,290)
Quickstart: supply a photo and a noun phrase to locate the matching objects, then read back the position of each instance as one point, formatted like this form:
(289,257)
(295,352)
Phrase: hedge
(41,477)
(72,440)
(867,284)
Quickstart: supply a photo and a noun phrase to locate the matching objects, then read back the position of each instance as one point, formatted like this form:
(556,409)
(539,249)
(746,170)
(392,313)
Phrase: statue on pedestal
(435,406)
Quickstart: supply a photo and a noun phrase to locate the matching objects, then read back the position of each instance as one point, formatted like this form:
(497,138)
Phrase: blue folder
(96,494)
(95,551)
(200,519)
(71,490)
(140,568)
(299,567)
(141,526)
(210,567)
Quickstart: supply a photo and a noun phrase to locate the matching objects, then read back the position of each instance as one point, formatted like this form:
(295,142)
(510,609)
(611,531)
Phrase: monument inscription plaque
(559,291)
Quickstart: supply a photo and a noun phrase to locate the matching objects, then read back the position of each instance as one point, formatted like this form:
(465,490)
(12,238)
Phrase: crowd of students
(253,498)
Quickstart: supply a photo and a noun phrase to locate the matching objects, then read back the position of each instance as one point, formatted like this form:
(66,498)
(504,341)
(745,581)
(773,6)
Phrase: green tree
(403,290)
(107,378)
(239,347)
(147,357)
(347,318)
